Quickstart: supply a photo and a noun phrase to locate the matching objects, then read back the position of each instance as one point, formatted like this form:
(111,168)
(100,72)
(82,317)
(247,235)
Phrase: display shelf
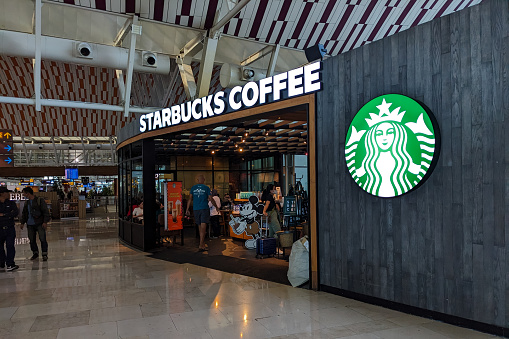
(69,209)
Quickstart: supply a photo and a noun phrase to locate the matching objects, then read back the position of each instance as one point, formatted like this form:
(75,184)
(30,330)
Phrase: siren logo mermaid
(389,152)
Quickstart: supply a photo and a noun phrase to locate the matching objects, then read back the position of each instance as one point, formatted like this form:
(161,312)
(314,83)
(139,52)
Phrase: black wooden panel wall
(443,247)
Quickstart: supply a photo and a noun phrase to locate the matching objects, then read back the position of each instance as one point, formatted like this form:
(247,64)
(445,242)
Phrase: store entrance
(240,160)
(239,154)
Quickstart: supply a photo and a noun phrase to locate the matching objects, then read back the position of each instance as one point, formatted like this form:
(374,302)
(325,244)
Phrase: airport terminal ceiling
(168,28)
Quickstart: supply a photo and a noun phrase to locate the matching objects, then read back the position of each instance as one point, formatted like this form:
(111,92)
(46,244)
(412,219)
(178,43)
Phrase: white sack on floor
(298,270)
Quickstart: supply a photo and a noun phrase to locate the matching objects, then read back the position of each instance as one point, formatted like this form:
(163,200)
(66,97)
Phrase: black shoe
(44,258)
(12,268)
(35,256)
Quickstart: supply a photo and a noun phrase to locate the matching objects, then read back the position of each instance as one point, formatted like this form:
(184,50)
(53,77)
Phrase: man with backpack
(36,215)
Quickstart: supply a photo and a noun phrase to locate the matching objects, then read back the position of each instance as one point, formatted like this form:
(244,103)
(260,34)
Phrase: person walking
(200,194)
(36,215)
(270,210)
(8,210)
(214,215)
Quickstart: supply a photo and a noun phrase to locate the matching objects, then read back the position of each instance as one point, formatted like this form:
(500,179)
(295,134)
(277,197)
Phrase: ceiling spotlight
(243,140)
(236,145)
(245,134)
(267,133)
(213,152)
(240,149)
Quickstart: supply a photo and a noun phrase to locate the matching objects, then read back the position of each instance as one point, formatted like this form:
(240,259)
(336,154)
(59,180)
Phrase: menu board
(173,206)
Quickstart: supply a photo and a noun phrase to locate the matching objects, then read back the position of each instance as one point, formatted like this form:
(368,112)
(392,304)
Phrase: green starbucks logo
(391,145)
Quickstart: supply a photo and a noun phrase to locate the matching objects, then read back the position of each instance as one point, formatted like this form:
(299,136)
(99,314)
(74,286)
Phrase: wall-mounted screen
(71,173)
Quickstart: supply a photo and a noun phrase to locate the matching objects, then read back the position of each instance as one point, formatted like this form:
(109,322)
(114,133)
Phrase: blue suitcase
(265,246)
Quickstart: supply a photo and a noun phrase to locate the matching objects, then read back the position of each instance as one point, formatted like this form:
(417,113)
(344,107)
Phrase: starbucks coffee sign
(286,85)
(392,145)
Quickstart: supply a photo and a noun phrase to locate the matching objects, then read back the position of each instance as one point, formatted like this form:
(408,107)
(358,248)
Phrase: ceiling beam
(273,61)
(256,56)
(187,76)
(192,48)
(123,32)
(135,31)
(121,84)
(206,66)
(37,60)
(224,20)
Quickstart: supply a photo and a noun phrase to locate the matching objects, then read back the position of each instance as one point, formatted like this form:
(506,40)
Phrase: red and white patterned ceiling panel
(338,25)
(76,83)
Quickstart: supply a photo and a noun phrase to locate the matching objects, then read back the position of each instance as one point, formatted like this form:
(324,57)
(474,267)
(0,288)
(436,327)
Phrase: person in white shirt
(138,212)
(214,214)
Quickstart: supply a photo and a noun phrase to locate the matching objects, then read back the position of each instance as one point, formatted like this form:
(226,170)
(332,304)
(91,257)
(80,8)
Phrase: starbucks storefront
(407,169)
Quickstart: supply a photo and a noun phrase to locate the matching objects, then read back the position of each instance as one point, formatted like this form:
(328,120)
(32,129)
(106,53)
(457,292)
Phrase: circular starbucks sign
(392,145)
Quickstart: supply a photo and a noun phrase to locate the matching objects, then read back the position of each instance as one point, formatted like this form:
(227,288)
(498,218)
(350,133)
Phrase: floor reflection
(92,286)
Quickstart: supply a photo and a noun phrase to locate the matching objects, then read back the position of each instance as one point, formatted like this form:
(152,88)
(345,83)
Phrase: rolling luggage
(264,245)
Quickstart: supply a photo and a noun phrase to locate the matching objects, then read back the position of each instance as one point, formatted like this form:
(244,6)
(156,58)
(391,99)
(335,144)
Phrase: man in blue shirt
(200,194)
(8,210)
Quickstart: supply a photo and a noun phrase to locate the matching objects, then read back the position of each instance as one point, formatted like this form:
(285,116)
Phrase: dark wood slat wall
(443,246)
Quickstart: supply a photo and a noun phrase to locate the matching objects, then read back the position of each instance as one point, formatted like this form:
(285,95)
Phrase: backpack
(36,210)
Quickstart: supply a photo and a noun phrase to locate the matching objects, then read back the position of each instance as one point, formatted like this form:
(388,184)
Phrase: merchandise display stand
(69,209)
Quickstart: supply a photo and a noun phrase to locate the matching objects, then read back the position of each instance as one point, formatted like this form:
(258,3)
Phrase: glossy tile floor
(94,287)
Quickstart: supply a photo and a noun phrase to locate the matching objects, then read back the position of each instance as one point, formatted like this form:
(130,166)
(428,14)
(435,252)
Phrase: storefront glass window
(137,165)
(261,180)
(221,163)
(128,186)
(127,152)
(165,163)
(194,163)
(301,170)
(268,163)
(137,179)
(122,201)
(221,182)
(256,164)
(136,150)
